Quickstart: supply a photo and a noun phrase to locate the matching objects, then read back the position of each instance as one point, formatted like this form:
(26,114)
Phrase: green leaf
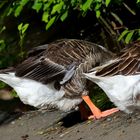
(10,11)
(18,10)
(86,5)
(24,2)
(64,16)
(97,7)
(129,9)
(20,26)
(123,34)
(47,5)
(98,13)
(107,2)
(2,3)
(24,28)
(2,29)
(117,18)
(57,7)
(2,45)
(2,85)
(37,5)
(129,37)
(14,94)
(45,16)
(51,21)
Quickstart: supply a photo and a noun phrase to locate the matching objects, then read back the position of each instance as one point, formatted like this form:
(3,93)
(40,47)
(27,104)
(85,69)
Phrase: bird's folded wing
(126,64)
(36,50)
(42,70)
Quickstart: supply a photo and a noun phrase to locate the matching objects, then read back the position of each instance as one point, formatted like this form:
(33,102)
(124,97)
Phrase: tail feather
(7,70)
(92,76)
(9,78)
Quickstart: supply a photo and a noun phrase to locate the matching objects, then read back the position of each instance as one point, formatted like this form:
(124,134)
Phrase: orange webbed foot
(97,113)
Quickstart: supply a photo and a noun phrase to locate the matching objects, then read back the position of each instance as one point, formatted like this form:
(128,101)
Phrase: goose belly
(122,90)
(42,96)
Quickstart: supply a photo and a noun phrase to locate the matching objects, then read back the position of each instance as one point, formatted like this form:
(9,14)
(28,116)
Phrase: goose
(120,79)
(51,75)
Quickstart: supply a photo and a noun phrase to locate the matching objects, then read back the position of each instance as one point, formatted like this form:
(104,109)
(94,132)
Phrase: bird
(51,75)
(120,79)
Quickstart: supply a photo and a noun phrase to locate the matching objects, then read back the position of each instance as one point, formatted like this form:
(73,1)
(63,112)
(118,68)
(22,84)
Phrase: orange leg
(97,114)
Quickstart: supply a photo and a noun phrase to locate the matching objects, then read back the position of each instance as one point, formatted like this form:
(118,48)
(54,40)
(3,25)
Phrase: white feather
(123,91)
(39,95)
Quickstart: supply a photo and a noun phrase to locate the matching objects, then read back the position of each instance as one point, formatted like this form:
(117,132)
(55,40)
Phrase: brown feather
(126,63)
(52,62)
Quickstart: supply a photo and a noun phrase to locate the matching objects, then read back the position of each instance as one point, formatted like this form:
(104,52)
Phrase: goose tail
(92,77)
(7,75)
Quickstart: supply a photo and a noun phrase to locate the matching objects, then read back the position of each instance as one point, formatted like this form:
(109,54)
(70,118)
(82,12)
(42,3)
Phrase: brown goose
(52,74)
(120,79)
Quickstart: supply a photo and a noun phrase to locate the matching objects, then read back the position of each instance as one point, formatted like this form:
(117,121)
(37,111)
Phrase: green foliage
(57,9)
(19,7)
(2,85)
(51,11)
(22,32)
(128,35)
(2,45)
(107,2)
(14,94)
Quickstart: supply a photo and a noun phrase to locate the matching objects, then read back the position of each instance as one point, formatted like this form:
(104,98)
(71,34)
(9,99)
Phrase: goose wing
(59,59)
(40,69)
(126,63)
(53,61)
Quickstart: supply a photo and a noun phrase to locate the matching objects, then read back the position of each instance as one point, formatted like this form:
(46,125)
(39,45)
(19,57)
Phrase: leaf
(24,28)
(64,16)
(86,5)
(45,16)
(98,5)
(2,85)
(98,13)
(51,21)
(24,2)
(129,9)
(37,5)
(123,34)
(20,26)
(57,7)
(10,11)
(107,2)
(117,18)
(129,37)
(2,29)
(47,5)
(18,10)
(2,3)
(2,45)
(14,94)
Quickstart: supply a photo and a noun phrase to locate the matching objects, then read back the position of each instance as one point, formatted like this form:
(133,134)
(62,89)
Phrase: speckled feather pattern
(120,78)
(58,56)
(52,73)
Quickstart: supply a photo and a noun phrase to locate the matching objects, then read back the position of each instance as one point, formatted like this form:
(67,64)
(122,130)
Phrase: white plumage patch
(123,91)
(39,95)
